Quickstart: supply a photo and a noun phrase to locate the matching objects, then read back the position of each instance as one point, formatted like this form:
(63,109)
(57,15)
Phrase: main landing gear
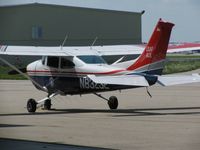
(112,101)
(32,104)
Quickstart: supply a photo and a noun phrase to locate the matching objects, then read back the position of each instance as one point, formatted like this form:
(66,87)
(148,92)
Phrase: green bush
(180,66)
(4,74)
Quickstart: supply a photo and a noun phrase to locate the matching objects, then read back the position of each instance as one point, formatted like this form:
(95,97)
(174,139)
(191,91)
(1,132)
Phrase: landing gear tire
(113,102)
(31,105)
(47,104)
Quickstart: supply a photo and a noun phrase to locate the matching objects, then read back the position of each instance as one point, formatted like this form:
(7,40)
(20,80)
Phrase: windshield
(92,59)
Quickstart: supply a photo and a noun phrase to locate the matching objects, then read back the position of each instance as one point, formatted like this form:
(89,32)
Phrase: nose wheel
(31,105)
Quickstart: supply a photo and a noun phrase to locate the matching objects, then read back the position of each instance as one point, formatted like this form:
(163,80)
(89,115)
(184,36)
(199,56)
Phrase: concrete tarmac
(168,120)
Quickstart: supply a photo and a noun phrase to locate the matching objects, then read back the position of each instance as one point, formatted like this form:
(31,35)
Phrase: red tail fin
(156,48)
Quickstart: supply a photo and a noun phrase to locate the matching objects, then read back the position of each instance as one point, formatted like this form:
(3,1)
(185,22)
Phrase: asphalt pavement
(170,120)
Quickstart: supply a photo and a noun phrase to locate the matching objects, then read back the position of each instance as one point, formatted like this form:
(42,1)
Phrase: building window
(36,32)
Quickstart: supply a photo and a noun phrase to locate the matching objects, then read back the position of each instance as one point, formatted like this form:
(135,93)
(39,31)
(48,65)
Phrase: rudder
(151,61)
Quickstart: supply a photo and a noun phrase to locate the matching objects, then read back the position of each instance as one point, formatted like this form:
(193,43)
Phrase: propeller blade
(14,72)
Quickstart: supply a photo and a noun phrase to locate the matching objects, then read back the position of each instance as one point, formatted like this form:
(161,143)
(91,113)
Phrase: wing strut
(99,95)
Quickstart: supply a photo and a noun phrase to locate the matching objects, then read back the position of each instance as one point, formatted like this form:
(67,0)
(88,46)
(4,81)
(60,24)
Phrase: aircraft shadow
(12,125)
(119,112)
(7,144)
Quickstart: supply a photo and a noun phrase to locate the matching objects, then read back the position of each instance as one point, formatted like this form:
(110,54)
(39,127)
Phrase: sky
(185,14)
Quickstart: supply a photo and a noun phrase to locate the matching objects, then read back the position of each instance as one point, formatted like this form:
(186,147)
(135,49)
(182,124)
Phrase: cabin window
(53,61)
(65,63)
(92,59)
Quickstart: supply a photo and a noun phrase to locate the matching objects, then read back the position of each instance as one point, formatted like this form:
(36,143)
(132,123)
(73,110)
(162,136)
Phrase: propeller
(14,72)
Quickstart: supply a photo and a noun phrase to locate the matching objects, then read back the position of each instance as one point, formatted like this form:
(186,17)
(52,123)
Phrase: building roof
(10,3)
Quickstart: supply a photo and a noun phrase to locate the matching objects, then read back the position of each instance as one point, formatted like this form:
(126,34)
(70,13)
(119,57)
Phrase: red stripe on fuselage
(53,72)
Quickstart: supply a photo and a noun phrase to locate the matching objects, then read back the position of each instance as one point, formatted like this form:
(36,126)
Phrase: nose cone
(32,67)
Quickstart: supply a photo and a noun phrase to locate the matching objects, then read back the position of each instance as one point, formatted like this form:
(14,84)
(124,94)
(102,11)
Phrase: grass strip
(4,74)
(182,66)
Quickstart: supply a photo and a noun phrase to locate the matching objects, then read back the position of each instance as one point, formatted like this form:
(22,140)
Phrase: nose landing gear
(32,104)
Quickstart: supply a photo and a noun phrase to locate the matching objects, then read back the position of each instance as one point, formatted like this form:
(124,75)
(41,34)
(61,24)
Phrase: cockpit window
(43,60)
(65,63)
(53,61)
(92,59)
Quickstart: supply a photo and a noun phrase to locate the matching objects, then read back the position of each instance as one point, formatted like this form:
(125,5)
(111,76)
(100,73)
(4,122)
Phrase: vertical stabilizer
(152,59)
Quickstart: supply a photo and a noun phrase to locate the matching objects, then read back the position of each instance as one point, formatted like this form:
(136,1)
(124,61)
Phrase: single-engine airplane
(81,70)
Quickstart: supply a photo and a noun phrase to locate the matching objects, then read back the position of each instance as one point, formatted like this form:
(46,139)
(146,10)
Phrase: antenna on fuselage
(64,41)
(93,42)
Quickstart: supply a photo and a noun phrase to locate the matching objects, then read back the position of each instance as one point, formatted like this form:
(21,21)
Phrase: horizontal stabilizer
(168,80)
(129,80)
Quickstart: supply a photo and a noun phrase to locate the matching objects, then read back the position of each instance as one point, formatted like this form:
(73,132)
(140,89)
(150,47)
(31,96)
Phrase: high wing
(70,50)
(128,80)
(139,80)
